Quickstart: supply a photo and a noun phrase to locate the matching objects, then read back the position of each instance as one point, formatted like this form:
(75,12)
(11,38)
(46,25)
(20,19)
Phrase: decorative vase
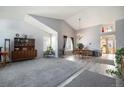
(80,46)
(17,35)
(103,30)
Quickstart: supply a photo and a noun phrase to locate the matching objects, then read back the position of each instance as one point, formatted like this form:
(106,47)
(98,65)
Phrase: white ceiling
(59,12)
(89,16)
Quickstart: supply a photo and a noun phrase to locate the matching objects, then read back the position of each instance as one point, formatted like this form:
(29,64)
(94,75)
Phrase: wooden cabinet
(24,49)
(23,55)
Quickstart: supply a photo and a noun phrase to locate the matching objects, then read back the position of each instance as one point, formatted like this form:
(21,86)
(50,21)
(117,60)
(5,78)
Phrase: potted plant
(80,45)
(119,63)
(119,67)
(49,52)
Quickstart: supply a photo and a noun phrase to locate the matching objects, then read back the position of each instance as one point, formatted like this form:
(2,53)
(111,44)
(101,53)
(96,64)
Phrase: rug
(92,79)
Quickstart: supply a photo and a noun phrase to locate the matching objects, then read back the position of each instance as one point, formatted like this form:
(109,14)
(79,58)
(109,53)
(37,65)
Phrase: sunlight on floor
(71,58)
(104,59)
(108,56)
(104,56)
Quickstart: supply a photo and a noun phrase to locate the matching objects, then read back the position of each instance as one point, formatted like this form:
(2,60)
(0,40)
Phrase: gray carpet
(92,79)
(38,73)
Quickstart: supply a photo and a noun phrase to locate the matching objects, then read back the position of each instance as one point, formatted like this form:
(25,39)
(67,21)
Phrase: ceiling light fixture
(79,19)
(79,36)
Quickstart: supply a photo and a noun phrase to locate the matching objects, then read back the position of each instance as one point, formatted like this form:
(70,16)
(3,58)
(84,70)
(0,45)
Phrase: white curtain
(69,45)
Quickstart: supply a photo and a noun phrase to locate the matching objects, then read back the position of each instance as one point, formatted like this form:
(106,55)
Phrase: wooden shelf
(24,48)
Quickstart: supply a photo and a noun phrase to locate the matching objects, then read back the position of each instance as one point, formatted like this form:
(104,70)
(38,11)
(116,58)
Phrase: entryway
(108,44)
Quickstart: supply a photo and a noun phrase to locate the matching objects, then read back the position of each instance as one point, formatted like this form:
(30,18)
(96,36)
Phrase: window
(46,43)
(107,28)
(69,45)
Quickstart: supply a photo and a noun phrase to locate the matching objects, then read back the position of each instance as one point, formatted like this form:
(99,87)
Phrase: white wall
(90,35)
(50,22)
(120,33)
(52,33)
(59,26)
(66,30)
(9,27)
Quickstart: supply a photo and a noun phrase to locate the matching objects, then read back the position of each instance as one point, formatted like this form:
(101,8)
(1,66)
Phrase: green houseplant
(118,62)
(80,45)
(49,51)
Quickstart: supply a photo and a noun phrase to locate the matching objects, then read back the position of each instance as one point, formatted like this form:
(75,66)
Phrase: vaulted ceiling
(89,16)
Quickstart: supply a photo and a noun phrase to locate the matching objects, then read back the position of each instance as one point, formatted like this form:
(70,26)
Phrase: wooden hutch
(24,49)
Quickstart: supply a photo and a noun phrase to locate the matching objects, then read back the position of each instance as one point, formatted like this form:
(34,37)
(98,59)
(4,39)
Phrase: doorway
(108,44)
